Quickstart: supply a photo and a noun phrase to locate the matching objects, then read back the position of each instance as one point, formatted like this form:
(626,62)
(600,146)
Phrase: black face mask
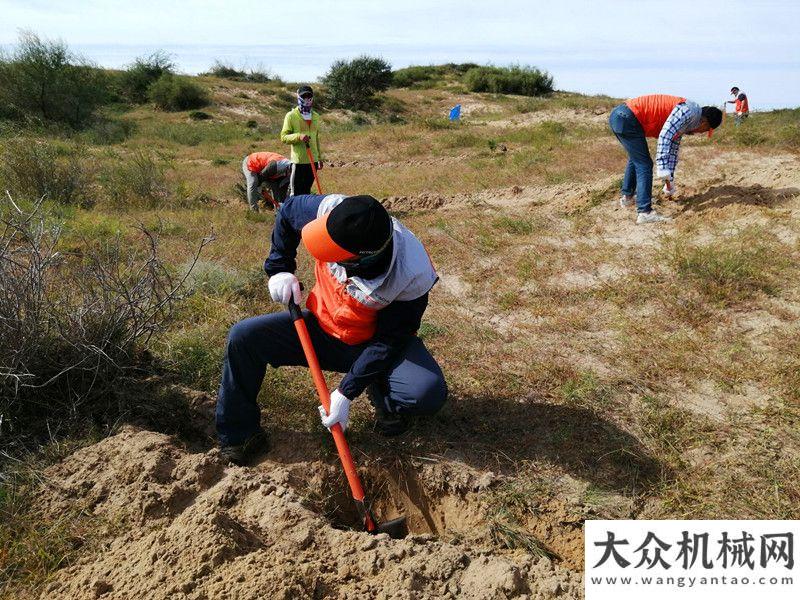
(372,266)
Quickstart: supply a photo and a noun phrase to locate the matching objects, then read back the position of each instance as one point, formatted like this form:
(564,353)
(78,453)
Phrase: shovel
(313,168)
(396,528)
(268,198)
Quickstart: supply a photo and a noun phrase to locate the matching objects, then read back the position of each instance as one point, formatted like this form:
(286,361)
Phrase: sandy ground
(194,528)
(183,525)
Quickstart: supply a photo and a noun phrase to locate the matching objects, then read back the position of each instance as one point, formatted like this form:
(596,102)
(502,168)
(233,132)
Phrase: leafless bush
(70,326)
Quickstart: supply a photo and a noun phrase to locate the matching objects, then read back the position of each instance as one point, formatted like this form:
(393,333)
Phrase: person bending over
(668,118)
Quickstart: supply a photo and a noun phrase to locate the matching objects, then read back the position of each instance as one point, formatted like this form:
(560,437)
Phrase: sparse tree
(44,80)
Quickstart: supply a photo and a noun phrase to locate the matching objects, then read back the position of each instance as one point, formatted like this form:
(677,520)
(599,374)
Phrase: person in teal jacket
(301,127)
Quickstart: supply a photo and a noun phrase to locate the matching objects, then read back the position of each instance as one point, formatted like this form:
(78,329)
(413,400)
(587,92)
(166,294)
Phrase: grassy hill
(596,368)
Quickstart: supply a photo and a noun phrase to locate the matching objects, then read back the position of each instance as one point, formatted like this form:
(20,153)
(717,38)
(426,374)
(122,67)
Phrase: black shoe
(387,423)
(390,425)
(241,455)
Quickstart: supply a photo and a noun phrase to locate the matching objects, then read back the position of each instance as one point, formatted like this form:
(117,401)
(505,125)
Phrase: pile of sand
(192,527)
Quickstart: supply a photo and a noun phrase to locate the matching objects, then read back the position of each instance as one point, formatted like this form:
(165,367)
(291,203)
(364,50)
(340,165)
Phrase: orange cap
(320,243)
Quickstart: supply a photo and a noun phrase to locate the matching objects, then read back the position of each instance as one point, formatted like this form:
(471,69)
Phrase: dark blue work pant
(639,170)
(415,382)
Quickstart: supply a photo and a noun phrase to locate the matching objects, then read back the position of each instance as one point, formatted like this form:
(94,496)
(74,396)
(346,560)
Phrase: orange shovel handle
(268,197)
(313,169)
(322,390)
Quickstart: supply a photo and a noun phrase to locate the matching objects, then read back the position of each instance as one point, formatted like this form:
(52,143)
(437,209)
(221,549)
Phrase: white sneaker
(651,217)
(626,201)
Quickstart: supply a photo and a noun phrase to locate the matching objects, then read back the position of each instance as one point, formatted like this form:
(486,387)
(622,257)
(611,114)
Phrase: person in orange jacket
(667,118)
(741,105)
(268,168)
(372,278)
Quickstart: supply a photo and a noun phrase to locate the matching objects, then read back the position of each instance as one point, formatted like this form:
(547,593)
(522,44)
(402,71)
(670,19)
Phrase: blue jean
(639,170)
(415,382)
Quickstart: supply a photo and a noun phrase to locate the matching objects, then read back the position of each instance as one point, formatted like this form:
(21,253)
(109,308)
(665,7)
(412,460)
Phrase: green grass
(429,330)
(138,180)
(35,544)
(196,356)
(461,139)
(195,134)
(777,129)
(514,226)
(89,227)
(56,170)
(586,390)
(562,100)
(109,131)
(507,509)
(671,430)
(733,268)
(212,278)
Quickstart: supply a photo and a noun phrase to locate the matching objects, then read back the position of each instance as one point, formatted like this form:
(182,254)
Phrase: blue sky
(690,47)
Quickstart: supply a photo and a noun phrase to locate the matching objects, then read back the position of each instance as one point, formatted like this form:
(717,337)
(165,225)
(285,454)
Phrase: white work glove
(284,287)
(669,187)
(340,411)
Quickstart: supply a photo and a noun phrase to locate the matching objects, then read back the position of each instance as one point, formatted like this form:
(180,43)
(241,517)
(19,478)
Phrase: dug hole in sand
(185,525)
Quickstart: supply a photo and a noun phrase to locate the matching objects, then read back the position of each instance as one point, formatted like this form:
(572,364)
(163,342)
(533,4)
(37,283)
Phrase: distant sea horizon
(769,84)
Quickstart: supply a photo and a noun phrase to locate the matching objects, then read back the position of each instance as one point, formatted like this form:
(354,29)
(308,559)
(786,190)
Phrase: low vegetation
(171,92)
(56,172)
(227,71)
(430,76)
(34,544)
(519,80)
(525,81)
(735,267)
(134,83)
(777,129)
(139,180)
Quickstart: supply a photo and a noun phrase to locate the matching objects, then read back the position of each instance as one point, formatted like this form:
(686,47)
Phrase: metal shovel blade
(396,528)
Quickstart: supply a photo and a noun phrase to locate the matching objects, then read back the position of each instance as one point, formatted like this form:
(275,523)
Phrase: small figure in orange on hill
(741,105)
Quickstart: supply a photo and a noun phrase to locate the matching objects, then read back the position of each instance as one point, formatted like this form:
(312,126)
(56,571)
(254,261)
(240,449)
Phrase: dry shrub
(70,327)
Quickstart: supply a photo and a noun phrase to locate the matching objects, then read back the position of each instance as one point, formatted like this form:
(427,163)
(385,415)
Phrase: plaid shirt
(684,117)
